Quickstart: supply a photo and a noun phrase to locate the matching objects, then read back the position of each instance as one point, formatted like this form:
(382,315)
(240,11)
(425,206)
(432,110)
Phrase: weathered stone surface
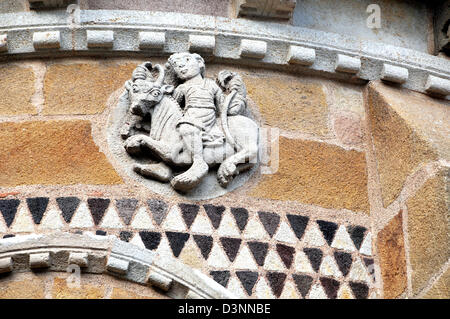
(441,288)
(82,88)
(16,90)
(428,229)
(205,7)
(391,252)
(26,289)
(60,290)
(317,173)
(407,129)
(290,103)
(53,152)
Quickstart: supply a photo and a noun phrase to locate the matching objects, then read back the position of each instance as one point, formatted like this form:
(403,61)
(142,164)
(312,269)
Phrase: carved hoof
(160,172)
(226,173)
(133,145)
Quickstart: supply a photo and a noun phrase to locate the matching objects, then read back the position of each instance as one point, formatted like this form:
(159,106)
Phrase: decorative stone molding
(151,40)
(201,43)
(437,85)
(46,40)
(124,260)
(347,64)
(228,36)
(392,73)
(100,39)
(281,9)
(301,55)
(3,42)
(253,49)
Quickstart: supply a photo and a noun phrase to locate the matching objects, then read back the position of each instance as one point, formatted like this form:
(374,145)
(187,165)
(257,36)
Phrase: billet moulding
(6,265)
(253,48)
(347,64)
(80,259)
(301,55)
(159,280)
(116,265)
(40,260)
(100,38)
(202,43)
(392,73)
(47,40)
(437,85)
(152,40)
(3,42)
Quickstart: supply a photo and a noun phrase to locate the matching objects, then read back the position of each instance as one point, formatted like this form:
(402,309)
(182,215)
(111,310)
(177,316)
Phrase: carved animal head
(144,91)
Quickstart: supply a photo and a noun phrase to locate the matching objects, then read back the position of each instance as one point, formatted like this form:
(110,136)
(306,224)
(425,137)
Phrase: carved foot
(160,171)
(225,173)
(191,178)
(133,144)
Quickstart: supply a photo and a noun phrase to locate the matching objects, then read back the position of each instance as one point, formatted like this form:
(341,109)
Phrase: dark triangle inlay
(205,244)
(357,235)
(315,257)
(221,277)
(158,209)
(259,251)
(344,261)
(231,246)
(214,213)
(150,239)
(298,224)
(331,287)
(360,291)
(241,216)
(177,241)
(8,207)
(248,280)
(276,282)
(98,206)
(125,236)
(68,206)
(328,230)
(303,283)
(126,208)
(286,254)
(270,221)
(189,212)
(37,207)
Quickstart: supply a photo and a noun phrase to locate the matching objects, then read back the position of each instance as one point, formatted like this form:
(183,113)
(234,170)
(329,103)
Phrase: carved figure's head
(184,66)
(144,91)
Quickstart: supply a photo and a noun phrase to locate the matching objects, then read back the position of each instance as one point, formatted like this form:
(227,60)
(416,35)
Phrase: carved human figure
(173,119)
(200,98)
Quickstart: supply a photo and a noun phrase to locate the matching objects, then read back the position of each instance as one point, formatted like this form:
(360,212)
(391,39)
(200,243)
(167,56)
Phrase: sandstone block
(407,129)
(391,252)
(16,90)
(441,288)
(429,229)
(52,152)
(290,103)
(82,88)
(60,290)
(23,289)
(319,174)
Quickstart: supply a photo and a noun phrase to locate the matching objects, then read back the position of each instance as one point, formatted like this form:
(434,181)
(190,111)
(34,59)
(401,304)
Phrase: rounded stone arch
(66,265)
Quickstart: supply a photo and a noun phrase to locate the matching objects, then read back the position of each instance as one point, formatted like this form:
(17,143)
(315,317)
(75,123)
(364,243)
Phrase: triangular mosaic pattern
(258,254)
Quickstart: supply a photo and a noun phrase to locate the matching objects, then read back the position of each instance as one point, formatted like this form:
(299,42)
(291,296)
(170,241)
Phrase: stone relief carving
(187,124)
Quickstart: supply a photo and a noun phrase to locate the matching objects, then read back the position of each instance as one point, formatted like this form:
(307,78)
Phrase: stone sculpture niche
(179,125)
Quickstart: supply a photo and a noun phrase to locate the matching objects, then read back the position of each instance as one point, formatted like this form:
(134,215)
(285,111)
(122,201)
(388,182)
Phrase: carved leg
(159,171)
(193,176)
(133,146)
(235,164)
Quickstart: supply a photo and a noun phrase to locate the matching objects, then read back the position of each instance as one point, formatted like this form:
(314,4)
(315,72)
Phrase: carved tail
(224,119)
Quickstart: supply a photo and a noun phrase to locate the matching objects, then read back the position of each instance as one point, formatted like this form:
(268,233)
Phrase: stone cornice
(283,47)
(107,254)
